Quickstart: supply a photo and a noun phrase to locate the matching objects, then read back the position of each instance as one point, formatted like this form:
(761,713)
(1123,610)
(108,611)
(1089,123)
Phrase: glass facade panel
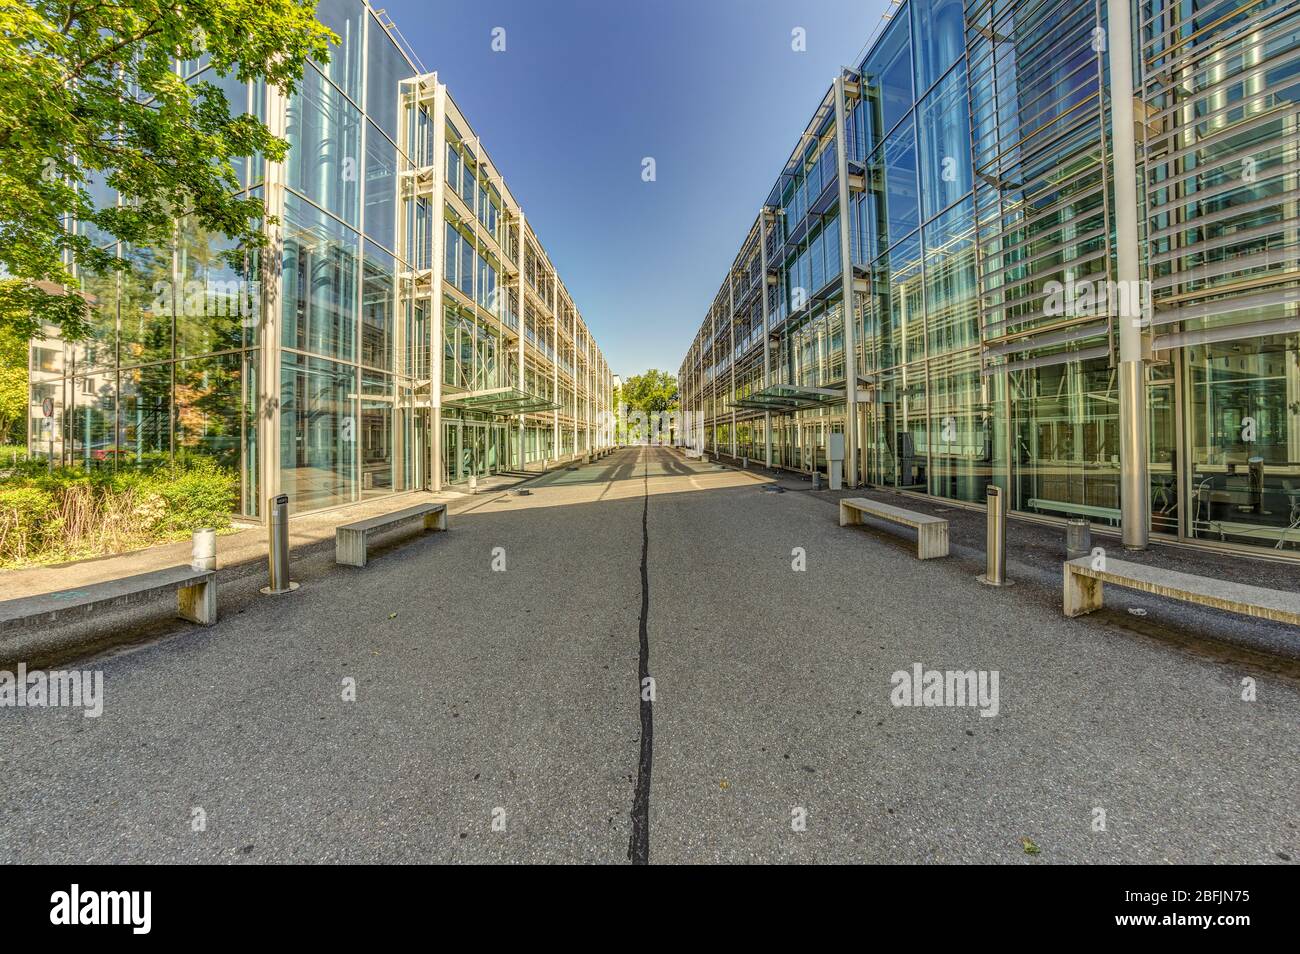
(146,305)
(215,305)
(376,434)
(386,67)
(951,289)
(893,176)
(144,416)
(381,189)
(99,348)
(1065,433)
(887,78)
(318,431)
(345,18)
(324,133)
(92,430)
(945,144)
(940,33)
(319,282)
(1244,398)
(378,303)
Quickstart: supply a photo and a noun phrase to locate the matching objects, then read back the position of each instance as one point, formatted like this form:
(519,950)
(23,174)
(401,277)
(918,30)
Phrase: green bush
(73,513)
(29,518)
(198,495)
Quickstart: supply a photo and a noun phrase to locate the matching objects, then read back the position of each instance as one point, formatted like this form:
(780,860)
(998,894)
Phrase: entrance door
(451,452)
(480,462)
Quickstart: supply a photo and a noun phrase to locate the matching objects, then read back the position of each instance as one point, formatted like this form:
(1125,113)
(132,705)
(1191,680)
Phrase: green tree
(13,385)
(89,93)
(653,392)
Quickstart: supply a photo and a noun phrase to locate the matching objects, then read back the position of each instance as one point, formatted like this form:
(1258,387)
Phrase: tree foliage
(90,96)
(13,384)
(653,392)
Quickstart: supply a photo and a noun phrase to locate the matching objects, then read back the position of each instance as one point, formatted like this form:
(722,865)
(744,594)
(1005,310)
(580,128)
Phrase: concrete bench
(196,598)
(931,532)
(350,538)
(1083,589)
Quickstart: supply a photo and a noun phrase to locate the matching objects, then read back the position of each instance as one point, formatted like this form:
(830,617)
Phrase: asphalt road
(499,713)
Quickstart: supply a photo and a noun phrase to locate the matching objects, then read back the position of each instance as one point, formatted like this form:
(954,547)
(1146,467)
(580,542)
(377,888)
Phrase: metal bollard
(473,483)
(203,549)
(817,480)
(277,551)
(995,539)
(744,463)
(1078,538)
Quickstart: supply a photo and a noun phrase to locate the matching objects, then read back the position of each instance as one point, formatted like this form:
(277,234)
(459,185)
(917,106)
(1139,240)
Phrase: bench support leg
(436,520)
(932,541)
(349,547)
(198,603)
(1082,593)
(849,516)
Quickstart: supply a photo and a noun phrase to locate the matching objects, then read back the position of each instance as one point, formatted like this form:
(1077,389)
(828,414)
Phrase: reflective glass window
(944,123)
(939,29)
(324,133)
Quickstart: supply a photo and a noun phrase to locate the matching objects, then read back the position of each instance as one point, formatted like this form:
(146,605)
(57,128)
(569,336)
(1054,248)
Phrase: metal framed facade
(363,358)
(1067,231)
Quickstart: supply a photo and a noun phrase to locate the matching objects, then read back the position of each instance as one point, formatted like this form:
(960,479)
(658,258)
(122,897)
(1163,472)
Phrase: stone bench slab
(196,597)
(1083,590)
(350,538)
(931,532)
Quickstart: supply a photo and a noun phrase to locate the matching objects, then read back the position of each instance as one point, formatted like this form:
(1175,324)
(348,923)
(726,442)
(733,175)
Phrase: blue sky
(585,89)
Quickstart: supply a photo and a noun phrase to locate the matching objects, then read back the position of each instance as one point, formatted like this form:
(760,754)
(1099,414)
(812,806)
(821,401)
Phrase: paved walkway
(501,712)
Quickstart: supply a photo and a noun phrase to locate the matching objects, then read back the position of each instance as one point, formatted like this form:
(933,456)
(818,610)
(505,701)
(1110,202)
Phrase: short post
(203,549)
(835,460)
(817,480)
(473,483)
(1078,538)
(277,552)
(744,463)
(995,539)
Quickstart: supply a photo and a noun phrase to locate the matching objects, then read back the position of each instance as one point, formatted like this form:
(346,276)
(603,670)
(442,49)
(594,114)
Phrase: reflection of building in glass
(414,335)
(971,154)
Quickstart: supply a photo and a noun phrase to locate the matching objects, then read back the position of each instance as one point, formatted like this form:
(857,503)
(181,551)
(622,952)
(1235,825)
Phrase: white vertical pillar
(767,343)
(846,265)
(1135,499)
(731,337)
(436,323)
(271,308)
(522,318)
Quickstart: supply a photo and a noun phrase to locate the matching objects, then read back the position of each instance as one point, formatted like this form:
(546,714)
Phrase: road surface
(501,711)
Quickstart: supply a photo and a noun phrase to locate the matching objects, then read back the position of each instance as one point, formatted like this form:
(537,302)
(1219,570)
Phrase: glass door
(451,457)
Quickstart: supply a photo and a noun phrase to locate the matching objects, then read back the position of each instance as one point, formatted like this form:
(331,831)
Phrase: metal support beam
(846,276)
(767,344)
(268,333)
(1135,499)
(731,326)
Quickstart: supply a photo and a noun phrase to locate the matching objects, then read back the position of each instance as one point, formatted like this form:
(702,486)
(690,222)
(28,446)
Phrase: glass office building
(412,334)
(961,188)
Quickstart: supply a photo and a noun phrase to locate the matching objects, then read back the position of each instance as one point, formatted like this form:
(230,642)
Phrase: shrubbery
(69,514)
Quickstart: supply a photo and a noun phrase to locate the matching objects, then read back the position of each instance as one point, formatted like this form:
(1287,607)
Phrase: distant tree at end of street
(653,392)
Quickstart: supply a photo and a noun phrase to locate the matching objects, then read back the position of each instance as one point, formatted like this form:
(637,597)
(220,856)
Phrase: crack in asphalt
(638,848)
